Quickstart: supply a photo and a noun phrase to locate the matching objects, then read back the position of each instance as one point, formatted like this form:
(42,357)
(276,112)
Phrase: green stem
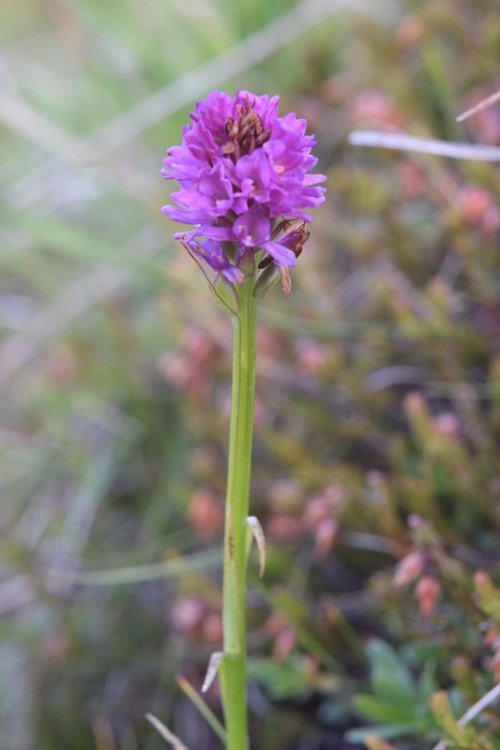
(234,665)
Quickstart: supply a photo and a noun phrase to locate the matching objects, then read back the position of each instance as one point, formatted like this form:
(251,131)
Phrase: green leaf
(427,684)
(282,680)
(390,678)
(380,710)
(386,731)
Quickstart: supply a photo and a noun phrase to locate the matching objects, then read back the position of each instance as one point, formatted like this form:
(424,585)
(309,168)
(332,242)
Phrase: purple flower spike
(244,176)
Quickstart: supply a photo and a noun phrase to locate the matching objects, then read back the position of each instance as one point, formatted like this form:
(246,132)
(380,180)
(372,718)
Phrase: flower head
(244,177)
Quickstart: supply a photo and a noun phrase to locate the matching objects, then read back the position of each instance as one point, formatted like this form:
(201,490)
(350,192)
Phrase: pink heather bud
(187,616)
(323,505)
(410,32)
(175,368)
(310,666)
(312,358)
(490,223)
(495,666)
(325,537)
(414,403)
(427,592)
(415,523)
(206,513)
(185,373)
(284,644)
(492,638)
(473,203)
(447,424)
(274,625)
(375,106)
(284,528)
(337,89)
(269,343)
(316,510)
(410,568)
(200,347)
(482,581)
(413,182)
(212,628)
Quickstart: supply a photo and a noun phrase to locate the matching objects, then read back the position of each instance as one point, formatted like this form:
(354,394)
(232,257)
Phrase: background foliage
(378,419)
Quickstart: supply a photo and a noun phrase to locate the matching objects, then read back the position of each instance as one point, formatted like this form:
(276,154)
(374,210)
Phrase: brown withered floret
(245,133)
(299,235)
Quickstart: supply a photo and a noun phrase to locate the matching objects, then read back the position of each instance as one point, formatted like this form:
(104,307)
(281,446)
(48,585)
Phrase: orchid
(244,175)
(244,187)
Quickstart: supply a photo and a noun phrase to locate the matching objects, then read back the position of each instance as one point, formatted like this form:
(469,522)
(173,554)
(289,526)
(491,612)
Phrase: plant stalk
(234,663)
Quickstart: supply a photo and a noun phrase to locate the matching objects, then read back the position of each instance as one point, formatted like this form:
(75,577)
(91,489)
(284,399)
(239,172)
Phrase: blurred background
(378,415)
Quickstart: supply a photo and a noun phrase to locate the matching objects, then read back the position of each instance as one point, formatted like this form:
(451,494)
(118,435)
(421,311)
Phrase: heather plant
(244,174)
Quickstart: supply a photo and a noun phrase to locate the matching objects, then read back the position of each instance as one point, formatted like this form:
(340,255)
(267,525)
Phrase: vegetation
(376,477)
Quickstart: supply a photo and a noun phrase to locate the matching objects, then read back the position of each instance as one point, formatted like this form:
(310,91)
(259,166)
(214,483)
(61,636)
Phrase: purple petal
(281,254)
(252,228)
